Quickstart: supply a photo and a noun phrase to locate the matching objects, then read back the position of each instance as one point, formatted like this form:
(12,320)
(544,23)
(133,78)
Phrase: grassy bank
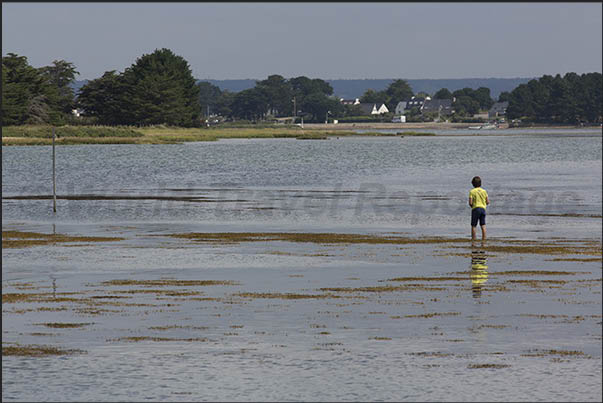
(71,135)
(42,135)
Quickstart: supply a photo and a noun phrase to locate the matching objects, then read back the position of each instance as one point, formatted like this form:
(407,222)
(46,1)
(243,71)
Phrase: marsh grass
(312,137)
(371,134)
(182,138)
(71,135)
(74,135)
(411,133)
(35,131)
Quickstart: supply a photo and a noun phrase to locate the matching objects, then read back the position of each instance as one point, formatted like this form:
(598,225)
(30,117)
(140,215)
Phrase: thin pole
(54,179)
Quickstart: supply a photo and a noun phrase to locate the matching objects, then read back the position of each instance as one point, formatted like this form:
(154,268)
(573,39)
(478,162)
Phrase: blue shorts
(478,214)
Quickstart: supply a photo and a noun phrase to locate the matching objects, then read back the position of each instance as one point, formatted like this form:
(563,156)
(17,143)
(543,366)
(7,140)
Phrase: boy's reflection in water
(479,268)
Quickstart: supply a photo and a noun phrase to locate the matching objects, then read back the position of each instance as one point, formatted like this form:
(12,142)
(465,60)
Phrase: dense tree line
(159,89)
(467,101)
(397,91)
(36,95)
(569,99)
(273,97)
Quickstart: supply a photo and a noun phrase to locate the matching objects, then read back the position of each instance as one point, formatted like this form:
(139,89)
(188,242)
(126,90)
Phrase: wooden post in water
(54,179)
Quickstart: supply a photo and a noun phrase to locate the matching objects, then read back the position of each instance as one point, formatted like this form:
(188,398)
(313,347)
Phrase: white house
(373,109)
(381,110)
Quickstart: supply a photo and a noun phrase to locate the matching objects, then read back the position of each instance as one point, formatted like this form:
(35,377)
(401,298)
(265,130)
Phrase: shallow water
(491,334)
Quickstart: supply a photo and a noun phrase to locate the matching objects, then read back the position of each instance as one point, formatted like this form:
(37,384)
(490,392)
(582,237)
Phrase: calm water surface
(497,336)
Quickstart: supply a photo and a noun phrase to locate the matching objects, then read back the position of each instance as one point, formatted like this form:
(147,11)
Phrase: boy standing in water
(478,200)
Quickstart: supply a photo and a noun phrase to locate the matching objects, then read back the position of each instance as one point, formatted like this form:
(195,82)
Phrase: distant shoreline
(75,135)
(429,125)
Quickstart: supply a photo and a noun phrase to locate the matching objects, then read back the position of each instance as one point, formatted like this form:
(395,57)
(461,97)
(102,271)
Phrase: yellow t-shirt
(478,196)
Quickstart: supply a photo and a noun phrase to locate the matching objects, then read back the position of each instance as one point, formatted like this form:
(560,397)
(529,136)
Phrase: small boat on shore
(487,126)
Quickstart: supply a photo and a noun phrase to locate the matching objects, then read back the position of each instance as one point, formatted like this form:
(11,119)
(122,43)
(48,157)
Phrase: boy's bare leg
(483,232)
(473,233)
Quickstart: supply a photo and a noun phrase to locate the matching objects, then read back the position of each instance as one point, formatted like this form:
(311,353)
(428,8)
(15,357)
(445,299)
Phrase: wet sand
(280,303)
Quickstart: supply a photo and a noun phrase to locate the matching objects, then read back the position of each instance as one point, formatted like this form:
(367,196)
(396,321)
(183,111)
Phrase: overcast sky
(324,40)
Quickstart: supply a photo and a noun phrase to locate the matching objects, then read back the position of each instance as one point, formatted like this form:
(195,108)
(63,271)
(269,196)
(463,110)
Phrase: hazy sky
(324,40)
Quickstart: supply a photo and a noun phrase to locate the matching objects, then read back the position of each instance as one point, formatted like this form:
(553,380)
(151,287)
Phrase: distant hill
(350,89)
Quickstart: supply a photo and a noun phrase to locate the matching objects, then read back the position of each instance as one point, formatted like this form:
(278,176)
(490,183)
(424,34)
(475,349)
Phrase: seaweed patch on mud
(575,259)
(169,282)
(385,288)
(150,338)
(433,314)
(169,327)
(536,273)
(322,238)
(553,352)
(34,350)
(546,249)
(444,278)
(20,239)
(487,366)
(430,354)
(553,247)
(267,295)
(56,325)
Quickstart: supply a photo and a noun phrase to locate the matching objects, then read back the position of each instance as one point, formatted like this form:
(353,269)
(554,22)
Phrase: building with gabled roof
(369,108)
(350,101)
(498,109)
(442,106)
